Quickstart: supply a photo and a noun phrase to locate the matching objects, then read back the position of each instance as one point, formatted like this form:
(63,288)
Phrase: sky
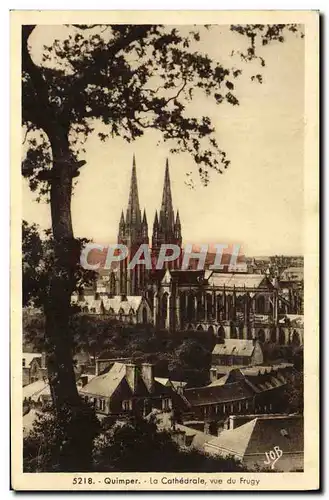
(257,202)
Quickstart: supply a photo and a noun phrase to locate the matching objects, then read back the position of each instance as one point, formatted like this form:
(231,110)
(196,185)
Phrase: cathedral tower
(166,227)
(133,231)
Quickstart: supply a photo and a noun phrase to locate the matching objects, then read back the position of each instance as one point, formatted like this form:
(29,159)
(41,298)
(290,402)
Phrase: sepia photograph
(164,250)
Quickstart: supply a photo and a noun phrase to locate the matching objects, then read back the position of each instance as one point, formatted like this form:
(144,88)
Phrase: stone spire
(166,211)
(145,228)
(133,211)
(178,229)
(122,227)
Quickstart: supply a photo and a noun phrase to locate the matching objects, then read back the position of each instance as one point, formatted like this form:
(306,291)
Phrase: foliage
(39,258)
(184,355)
(132,78)
(47,447)
(139,446)
(134,445)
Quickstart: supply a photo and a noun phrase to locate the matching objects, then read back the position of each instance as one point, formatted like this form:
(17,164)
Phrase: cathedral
(133,232)
(241,305)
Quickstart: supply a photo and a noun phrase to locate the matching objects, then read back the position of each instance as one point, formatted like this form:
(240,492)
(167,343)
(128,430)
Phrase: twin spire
(166,226)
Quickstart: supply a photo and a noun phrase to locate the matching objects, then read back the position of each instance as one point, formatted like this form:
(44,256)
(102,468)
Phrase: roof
(293,319)
(235,347)
(252,371)
(238,280)
(106,384)
(220,381)
(213,394)
(29,356)
(177,384)
(164,422)
(117,304)
(261,435)
(28,421)
(36,390)
(261,378)
(189,277)
(293,269)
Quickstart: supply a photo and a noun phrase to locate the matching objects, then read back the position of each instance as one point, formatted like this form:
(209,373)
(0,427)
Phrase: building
(231,305)
(133,232)
(235,352)
(132,309)
(241,391)
(167,227)
(127,388)
(252,443)
(34,367)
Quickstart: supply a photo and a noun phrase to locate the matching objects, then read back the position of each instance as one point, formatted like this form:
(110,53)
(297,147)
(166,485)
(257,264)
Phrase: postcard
(164,250)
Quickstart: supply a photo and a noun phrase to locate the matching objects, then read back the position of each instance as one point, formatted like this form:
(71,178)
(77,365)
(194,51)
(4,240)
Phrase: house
(242,391)
(236,352)
(253,442)
(295,274)
(186,437)
(34,367)
(132,309)
(127,388)
(38,394)
(176,385)
(215,402)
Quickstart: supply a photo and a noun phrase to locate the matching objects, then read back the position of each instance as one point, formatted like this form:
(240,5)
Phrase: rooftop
(261,435)
(236,347)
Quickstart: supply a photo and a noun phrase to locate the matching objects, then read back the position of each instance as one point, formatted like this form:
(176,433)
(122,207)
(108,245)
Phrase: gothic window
(261,335)
(190,307)
(282,339)
(273,334)
(166,404)
(210,314)
(295,338)
(144,315)
(127,405)
(221,334)
(260,304)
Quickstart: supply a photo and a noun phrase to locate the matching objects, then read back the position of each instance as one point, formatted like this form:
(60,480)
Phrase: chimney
(84,380)
(131,376)
(148,376)
(43,360)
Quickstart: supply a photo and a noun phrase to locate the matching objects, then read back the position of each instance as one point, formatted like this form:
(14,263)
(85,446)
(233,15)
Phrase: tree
(133,78)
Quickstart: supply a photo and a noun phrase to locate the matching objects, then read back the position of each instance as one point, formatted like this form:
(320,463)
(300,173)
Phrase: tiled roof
(106,384)
(177,384)
(36,389)
(212,394)
(293,319)
(234,347)
(261,435)
(117,304)
(238,280)
(254,371)
(187,277)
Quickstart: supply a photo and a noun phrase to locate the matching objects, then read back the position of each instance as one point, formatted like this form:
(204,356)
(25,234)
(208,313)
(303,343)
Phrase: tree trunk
(74,417)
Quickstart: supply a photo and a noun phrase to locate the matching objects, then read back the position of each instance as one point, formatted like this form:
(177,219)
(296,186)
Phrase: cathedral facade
(240,305)
(133,232)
